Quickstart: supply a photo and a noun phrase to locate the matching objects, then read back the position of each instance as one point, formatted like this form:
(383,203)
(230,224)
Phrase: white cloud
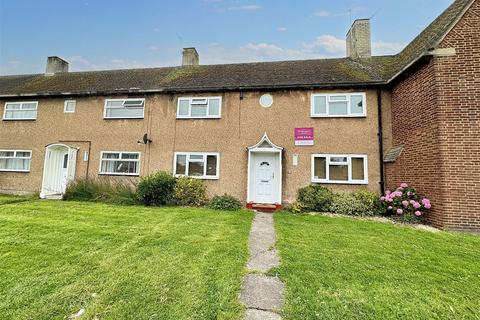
(322,13)
(381,47)
(326,43)
(281,29)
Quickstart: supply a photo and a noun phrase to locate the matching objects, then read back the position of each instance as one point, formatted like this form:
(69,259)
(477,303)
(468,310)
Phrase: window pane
(13,106)
(319,167)
(129,155)
(15,164)
(196,157)
(23,154)
(116,103)
(111,156)
(133,103)
(125,113)
(195,169)
(180,164)
(338,159)
(338,108)
(339,172)
(356,103)
(211,165)
(70,106)
(214,107)
(199,110)
(183,107)
(338,98)
(29,106)
(358,169)
(7,153)
(319,105)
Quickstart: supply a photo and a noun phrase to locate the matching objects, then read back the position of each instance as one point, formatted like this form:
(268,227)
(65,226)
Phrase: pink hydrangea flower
(382,198)
(409,193)
(400,188)
(388,192)
(390,208)
(416,205)
(418,213)
(412,202)
(426,203)
(404,185)
(399,211)
(405,203)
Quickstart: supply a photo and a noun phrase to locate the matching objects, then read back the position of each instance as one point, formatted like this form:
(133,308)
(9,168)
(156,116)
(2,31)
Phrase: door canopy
(265,144)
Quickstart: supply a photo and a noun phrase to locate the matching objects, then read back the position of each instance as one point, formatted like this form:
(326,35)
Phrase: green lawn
(341,268)
(120,262)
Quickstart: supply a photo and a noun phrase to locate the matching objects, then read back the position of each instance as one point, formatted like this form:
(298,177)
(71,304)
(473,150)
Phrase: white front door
(265,177)
(59,169)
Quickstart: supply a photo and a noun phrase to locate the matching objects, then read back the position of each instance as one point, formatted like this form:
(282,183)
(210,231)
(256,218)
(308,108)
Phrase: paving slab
(254,314)
(263,255)
(262,292)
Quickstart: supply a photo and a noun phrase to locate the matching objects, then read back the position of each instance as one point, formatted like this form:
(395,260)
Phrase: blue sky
(107,34)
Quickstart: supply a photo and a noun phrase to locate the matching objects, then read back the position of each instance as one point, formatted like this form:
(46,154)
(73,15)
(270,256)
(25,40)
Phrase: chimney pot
(190,57)
(56,65)
(359,44)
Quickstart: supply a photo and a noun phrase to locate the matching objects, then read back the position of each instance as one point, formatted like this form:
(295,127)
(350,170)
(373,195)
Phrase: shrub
(294,207)
(107,191)
(369,199)
(355,204)
(315,198)
(225,202)
(156,189)
(404,203)
(190,192)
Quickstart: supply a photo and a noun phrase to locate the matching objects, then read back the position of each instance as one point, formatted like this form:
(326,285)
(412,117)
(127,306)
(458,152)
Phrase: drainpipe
(380,142)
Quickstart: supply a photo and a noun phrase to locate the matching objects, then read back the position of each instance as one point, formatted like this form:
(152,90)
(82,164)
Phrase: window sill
(338,116)
(20,171)
(197,118)
(20,119)
(123,118)
(199,178)
(119,174)
(341,182)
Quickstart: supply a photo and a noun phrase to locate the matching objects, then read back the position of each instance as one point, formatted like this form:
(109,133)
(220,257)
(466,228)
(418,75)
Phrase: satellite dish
(146,140)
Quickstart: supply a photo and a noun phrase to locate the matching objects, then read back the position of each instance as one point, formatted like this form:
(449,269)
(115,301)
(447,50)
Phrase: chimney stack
(56,65)
(359,44)
(190,57)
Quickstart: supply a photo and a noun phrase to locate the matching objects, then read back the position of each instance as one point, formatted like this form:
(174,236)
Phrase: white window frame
(19,102)
(349,109)
(349,163)
(189,116)
(65,106)
(204,154)
(15,157)
(127,99)
(100,172)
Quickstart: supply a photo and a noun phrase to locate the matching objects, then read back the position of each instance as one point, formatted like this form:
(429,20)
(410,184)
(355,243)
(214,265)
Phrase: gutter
(201,89)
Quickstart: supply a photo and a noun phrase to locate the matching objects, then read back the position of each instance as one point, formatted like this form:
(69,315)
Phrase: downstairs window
(15,160)
(120,163)
(341,169)
(196,165)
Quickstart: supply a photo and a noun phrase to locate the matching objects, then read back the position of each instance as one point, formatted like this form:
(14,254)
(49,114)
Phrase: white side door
(265,182)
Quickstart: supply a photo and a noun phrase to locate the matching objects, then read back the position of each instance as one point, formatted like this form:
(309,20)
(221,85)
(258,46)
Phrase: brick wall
(436,114)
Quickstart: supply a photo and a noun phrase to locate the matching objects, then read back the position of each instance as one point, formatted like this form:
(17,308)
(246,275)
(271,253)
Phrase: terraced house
(260,131)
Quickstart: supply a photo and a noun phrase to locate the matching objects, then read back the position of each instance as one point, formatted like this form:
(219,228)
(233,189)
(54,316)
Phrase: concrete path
(262,295)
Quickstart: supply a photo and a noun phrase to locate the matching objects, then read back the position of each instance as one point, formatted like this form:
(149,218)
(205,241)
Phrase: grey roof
(262,75)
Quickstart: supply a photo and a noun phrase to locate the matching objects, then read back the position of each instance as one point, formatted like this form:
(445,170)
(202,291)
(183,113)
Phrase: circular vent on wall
(266,100)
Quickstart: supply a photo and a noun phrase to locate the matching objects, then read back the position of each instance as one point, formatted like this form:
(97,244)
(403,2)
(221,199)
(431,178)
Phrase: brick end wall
(436,115)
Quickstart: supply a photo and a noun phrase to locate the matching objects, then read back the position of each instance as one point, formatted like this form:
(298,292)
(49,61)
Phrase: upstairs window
(20,110)
(124,108)
(120,163)
(15,160)
(341,169)
(196,107)
(338,105)
(69,106)
(196,165)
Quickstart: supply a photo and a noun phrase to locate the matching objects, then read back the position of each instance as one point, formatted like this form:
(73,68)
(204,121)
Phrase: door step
(264,207)
(57,196)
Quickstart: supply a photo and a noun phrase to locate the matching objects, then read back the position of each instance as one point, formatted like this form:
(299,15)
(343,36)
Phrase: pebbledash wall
(436,116)
(242,124)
